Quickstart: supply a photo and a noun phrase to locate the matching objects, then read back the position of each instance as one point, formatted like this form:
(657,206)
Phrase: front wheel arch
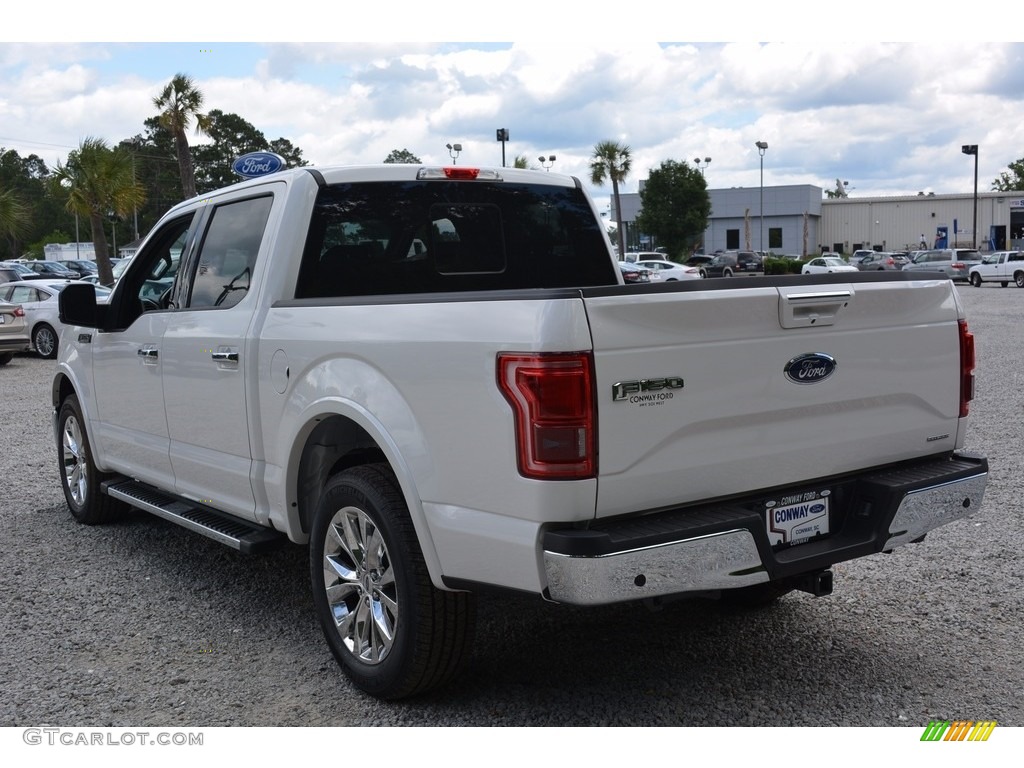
(79,476)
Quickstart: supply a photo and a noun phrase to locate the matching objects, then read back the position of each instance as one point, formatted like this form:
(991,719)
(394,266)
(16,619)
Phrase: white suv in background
(999,267)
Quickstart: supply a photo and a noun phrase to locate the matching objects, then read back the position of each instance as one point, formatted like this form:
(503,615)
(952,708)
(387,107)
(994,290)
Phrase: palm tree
(611,160)
(14,218)
(180,102)
(99,181)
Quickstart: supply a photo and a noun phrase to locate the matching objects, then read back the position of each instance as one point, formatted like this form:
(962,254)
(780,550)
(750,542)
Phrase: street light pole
(761,147)
(547,162)
(454,150)
(972,149)
(501,134)
(696,161)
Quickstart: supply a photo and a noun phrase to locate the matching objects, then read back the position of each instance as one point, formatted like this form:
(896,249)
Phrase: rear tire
(390,629)
(79,477)
(1018,279)
(727,273)
(976,280)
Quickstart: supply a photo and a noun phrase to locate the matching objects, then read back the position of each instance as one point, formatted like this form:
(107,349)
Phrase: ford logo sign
(810,368)
(257,164)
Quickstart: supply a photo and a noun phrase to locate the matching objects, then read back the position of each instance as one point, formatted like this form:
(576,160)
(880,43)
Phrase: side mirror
(77,306)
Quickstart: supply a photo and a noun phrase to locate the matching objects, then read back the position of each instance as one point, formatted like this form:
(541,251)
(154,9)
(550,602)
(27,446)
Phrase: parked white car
(823,264)
(668,270)
(999,267)
(39,300)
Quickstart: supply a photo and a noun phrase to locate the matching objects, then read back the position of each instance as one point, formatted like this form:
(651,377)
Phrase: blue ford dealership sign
(257,164)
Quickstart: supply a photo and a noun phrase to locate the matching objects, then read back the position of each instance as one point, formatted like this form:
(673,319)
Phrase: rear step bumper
(725,546)
(246,537)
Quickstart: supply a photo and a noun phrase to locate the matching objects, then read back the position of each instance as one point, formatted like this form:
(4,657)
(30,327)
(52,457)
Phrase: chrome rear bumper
(725,546)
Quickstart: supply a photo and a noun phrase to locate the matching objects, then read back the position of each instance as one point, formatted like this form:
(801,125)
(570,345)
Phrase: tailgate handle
(803,310)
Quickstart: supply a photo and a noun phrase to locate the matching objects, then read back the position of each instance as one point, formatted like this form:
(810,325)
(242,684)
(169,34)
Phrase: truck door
(206,365)
(131,427)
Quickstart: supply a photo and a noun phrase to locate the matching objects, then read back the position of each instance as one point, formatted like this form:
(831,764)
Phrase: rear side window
(384,238)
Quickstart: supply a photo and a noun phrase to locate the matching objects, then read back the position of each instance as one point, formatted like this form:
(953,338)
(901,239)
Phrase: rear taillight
(19,312)
(552,397)
(966,368)
(958,265)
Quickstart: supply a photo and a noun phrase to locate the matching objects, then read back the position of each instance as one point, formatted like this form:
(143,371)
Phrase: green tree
(611,162)
(1011,181)
(27,181)
(674,206)
(402,156)
(232,136)
(180,103)
(14,215)
(292,155)
(156,169)
(520,162)
(838,192)
(37,248)
(99,181)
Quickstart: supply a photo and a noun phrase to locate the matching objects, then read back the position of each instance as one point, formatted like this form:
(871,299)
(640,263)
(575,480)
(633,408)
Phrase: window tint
(434,236)
(228,253)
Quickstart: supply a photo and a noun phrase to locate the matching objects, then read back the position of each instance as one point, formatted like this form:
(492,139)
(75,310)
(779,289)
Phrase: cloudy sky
(888,117)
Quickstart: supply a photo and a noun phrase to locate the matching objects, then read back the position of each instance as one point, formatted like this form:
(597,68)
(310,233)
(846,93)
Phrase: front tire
(79,477)
(393,633)
(44,339)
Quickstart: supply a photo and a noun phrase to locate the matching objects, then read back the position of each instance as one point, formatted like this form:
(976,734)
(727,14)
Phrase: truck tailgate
(710,390)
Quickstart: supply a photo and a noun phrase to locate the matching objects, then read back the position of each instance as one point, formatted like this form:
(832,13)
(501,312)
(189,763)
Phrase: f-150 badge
(644,390)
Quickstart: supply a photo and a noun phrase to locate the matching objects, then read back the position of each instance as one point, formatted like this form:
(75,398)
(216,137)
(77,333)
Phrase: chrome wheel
(360,583)
(75,461)
(45,341)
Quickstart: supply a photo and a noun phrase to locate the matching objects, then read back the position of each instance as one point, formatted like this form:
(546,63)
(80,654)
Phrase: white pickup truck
(493,408)
(1001,267)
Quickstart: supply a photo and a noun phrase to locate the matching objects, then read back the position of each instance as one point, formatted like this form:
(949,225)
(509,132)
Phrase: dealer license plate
(797,518)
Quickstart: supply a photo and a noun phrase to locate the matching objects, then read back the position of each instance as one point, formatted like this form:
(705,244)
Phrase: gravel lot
(141,623)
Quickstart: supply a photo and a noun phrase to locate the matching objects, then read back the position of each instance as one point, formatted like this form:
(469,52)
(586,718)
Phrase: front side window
(228,253)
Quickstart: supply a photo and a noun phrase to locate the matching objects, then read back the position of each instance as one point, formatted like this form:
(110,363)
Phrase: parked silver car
(954,262)
(13,331)
(39,299)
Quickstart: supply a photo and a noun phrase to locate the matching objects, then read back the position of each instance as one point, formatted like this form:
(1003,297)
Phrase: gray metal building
(799,220)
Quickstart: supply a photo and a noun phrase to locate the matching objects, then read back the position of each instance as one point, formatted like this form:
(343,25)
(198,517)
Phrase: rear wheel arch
(334,443)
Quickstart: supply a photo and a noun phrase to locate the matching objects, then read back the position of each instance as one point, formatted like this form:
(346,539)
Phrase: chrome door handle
(149,354)
(225,355)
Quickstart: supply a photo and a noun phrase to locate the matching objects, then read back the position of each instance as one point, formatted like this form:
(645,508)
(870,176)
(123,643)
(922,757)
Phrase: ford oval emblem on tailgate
(810,368)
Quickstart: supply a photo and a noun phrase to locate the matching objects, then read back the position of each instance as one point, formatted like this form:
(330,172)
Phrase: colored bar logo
(958,730)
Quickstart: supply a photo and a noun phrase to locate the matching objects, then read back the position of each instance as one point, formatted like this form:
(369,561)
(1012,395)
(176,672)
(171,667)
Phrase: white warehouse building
(798,219)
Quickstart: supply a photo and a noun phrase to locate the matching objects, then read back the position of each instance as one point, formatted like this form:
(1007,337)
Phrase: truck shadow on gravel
(211,637)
